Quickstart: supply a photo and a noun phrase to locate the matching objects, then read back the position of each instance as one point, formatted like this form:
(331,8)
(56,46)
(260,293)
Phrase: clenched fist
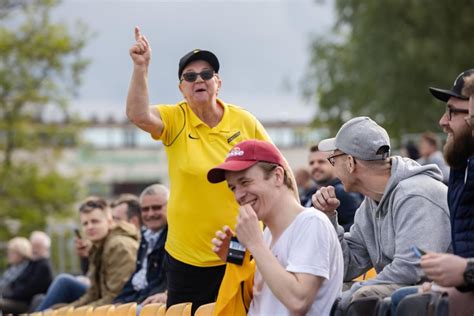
(325,200)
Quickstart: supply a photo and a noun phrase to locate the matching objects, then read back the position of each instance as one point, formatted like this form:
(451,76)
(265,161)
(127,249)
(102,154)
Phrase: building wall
(117,157)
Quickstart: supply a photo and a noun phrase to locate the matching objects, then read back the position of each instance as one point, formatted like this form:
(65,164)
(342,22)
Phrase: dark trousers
(187,283)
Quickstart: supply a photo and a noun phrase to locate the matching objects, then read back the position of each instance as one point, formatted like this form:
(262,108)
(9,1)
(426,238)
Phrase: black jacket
(35,279)
(155,275)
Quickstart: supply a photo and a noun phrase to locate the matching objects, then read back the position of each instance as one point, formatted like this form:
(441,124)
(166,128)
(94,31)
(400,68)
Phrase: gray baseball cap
(361,138)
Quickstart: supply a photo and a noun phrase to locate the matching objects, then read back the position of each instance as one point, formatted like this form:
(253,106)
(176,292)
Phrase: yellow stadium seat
(177,309)
(187,310)
(83,311)
(50,312)
(64,311)
(104,310)
(161,311)
(366,276)
(129,309)
(151,309)
(205,310)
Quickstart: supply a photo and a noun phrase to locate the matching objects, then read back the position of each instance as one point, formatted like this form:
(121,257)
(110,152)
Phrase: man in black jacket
(148,283)
(455,271)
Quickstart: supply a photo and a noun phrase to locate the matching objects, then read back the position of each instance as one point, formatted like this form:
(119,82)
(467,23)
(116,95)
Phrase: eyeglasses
(192,76)
(90,205)
(332,159)
(156,207)
(450,110)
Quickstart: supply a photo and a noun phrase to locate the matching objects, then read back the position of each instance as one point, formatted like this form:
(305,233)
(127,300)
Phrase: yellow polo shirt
(197,208)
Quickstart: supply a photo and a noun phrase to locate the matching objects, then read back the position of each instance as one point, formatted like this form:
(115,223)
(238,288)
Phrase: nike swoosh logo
(192,137)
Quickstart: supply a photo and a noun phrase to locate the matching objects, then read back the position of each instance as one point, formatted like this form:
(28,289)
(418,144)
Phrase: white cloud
(262,46)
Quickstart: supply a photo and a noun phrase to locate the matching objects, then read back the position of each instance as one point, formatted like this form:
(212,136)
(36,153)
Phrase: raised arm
(138,110)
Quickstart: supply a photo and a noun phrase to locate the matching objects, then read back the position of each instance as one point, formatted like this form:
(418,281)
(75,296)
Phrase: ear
(219,82)
(135,221)
(279,175)
(350,164)
(180,87)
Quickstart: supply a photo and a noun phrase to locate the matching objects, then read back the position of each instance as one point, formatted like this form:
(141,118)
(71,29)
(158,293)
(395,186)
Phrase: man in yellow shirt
(197,133)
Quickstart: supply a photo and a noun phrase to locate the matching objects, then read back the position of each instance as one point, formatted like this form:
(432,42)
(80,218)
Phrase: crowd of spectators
(357,207)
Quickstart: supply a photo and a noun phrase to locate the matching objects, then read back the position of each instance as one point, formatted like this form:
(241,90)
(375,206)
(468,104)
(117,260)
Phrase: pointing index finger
(138,35)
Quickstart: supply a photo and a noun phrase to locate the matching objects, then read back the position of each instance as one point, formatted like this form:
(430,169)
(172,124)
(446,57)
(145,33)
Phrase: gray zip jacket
(413,211)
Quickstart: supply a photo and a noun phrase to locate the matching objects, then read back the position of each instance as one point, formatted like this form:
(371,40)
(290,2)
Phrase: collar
(224,124)
(151,235)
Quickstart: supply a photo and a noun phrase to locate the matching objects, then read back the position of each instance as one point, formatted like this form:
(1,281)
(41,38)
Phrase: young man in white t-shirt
(298,257)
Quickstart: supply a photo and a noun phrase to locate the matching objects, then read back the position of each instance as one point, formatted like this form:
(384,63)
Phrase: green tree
(40,69)
(382,55)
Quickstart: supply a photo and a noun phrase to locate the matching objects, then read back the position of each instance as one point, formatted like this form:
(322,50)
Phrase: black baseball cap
(456,90)
(198,54)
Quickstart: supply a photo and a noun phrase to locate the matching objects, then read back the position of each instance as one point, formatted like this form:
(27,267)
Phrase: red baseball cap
(243,156)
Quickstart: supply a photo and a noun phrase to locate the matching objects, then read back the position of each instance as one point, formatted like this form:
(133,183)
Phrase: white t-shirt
(308,245)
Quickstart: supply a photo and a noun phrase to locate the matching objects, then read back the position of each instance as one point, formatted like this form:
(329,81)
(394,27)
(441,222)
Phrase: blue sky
(263,48)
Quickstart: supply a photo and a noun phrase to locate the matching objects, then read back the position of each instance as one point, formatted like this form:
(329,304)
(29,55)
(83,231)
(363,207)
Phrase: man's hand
(248,229)
(425,287)
(443,268)
(221,242)
(325,200)
(156,298)
(83,247)
(141,50)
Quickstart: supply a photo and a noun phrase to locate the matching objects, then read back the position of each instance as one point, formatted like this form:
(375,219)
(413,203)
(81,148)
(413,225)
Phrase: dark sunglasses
(451,110)
(192,76)
(155,207)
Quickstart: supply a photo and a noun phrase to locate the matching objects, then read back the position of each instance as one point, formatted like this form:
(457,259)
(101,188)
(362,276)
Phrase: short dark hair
(268,168)
(313,149)
(133,205)
(94,202)
(123,198)
(133,208)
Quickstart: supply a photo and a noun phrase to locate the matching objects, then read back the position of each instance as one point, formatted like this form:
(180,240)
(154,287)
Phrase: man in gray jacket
(405,205)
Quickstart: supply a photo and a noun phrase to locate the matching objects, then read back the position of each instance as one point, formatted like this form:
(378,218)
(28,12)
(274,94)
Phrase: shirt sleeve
(311,240)
(260,132)
(173,118)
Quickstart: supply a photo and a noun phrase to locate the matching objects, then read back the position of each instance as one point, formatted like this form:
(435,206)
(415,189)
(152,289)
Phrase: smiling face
(253,187)
(341,170)
(153,211)
(459,143)
(96,224)
(321,170)
(200,91)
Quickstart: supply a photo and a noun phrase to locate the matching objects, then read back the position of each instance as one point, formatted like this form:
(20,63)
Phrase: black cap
(456,90)
(198,54)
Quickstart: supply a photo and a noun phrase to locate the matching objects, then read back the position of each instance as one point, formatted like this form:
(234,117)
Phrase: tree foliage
(382,56)
(40,68)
